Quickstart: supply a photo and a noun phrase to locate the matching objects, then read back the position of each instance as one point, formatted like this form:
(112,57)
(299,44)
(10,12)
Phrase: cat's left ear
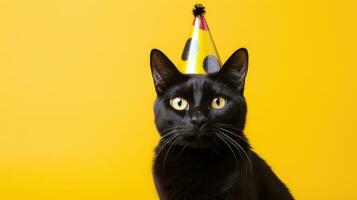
(235,69)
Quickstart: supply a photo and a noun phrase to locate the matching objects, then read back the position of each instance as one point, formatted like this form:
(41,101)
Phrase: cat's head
(200,110)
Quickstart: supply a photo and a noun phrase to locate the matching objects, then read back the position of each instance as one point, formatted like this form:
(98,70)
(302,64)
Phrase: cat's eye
(179,103)
(218,102)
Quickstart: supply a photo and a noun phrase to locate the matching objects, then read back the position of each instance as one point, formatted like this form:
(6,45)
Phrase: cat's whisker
(168,134)
(215,141)
(167,152)
(175,129)
(241,149)
(234,155)
(233,133)
(166,143)
(183,149)
(241,155)
(226,125)
(238,149)
(229,126)
(168,130)
(211,146)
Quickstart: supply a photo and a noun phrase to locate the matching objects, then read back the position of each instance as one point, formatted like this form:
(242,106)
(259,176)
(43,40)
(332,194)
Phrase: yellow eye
(179,103)
(218,102)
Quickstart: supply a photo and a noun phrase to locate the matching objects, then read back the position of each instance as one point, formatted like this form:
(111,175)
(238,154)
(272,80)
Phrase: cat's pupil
(179,102)
(217,101)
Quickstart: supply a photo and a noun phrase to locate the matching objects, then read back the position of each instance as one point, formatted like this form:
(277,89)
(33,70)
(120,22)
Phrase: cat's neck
(188,159)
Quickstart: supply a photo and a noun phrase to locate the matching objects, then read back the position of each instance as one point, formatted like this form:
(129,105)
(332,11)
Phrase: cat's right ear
(163,71)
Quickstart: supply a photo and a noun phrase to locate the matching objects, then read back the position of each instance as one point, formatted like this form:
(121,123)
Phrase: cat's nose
(198,122)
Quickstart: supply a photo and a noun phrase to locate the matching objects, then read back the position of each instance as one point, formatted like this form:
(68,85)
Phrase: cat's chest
(194,177)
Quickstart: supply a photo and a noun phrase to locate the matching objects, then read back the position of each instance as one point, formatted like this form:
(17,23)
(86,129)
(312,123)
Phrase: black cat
(203,153)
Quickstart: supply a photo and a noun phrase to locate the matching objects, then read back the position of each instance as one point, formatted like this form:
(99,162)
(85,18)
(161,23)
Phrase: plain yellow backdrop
(76,93)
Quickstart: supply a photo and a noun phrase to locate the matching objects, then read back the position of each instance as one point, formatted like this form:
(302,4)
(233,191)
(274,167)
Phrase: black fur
(211,160)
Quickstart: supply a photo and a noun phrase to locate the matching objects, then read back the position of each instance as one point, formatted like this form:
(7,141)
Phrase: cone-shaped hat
(199,55)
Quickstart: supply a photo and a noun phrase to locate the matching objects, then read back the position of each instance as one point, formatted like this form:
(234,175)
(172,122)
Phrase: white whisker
(235,157)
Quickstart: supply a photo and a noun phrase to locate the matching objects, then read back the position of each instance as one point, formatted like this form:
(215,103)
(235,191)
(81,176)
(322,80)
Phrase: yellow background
(76,93)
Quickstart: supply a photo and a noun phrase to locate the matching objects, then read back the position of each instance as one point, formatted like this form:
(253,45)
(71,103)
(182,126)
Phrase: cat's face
(199,110)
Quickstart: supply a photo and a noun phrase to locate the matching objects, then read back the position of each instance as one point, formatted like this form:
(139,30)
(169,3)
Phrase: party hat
(200,55)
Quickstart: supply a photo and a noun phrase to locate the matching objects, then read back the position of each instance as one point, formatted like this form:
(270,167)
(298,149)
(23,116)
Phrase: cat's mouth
(197,140)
